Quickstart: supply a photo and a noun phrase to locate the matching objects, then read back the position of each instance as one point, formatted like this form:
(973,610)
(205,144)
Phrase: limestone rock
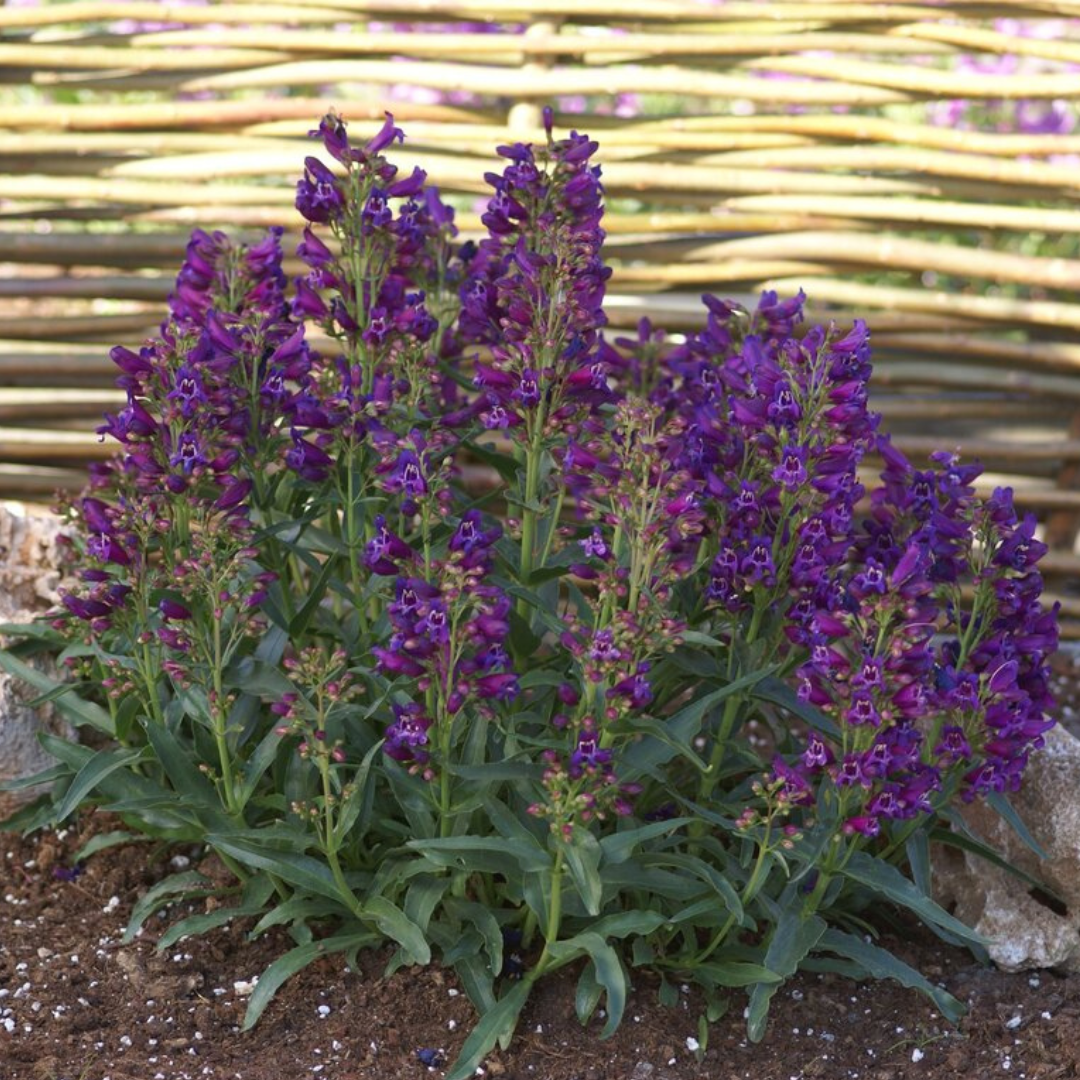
(1024,930)
(31,571)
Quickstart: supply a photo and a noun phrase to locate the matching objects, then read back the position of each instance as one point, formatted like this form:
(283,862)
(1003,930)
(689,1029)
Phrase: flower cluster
(378,284)
(449,632)
(774,427)
(535,287)
(205,403)
(206,399)
(563,572)
(933,691)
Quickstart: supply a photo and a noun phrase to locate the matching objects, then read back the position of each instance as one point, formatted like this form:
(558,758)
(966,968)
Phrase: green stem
(731,714)
(556,515)
(551,930)
(151,683)
(751,889)
(533,458)
(217,716)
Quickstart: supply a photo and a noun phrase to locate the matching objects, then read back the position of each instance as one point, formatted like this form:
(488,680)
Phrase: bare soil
(77,1004)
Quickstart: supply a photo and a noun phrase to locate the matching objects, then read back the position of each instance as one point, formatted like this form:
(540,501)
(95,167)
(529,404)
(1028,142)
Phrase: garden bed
(81,1005)
(77,1004)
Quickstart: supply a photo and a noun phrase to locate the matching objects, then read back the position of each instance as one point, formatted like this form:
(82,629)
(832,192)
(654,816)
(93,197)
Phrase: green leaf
(480,916)
(46,776)
(732,973)
(632,875)
(648,726)
(881,877)
(297,909)
(582,852)
(357,805)
(29,818)
(588,993)
(258,677)
(395,924)
(695,637)
(296,960)
(106,840)
(39,631)
(795,936)
(496,1025)
(541,677)
(624,923)
(57,691)
(918,853)
(536,890)
(178,761)
(513,827)
(684,725)
(72,706)
(412,796)
(299,624)
(166,891)
(619,846)
(968,841)
(497,771)
(100,765)
(506,466)
(257,892)
(258,763)
(478,981)
(607,967)
(881,964)
(702,870)
(480,853)
(779,693)
(128,792)
(423,896)
(303,871)
(1006,809)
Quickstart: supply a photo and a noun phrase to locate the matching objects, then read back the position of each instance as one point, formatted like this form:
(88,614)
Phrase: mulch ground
(77,1004)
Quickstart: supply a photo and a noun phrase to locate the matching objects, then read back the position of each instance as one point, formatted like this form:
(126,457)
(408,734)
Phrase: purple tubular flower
(407,736)
(233,493)
(588,756)
(791,472)
(307,460)
(386,551)
(85,608)
(174,639)
(502,686)
(635,688)
(188,454)
(106,548)
(410,186)
(385,136)
(319,197)
(96,515)
(473,542)
(863,824)
(332,132)
(173,610)
(394,663)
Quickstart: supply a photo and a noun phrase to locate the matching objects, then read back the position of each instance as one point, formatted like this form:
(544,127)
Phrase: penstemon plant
(441,619)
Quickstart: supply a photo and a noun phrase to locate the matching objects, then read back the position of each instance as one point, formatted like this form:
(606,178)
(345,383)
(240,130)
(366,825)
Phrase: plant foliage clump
(446,621)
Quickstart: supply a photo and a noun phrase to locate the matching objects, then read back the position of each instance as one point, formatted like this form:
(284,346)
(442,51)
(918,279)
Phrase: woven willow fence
(778,145)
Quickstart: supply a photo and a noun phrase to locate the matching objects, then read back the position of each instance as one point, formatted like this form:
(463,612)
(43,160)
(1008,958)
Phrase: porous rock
(31,571)
(1024,927)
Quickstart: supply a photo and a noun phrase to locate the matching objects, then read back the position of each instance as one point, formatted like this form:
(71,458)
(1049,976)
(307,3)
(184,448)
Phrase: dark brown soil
(76,1004)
